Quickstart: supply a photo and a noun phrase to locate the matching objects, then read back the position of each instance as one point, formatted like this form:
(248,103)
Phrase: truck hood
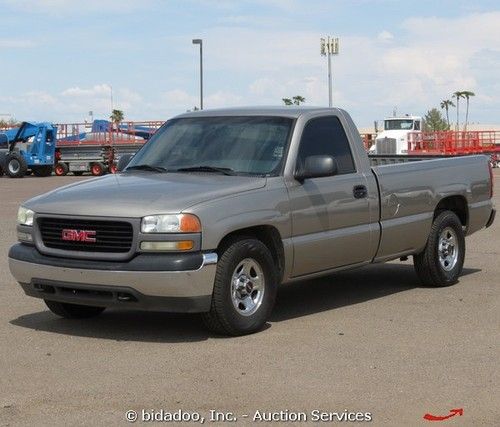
(136,194)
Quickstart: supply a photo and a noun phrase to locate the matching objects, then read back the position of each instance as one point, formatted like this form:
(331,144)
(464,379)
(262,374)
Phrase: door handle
(359,192)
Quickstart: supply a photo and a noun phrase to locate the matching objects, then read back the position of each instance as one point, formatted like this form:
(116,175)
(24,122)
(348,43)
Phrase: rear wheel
(441,262)
(244,289)
(98,169)
(61,169)
(16,166)
(73,311)
(42,171)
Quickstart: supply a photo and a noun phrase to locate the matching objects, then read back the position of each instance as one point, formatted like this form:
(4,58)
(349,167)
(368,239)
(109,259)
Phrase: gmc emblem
(86,236)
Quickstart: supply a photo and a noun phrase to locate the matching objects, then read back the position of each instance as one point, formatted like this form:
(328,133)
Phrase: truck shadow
(346,288)
(121,325)
(294,300)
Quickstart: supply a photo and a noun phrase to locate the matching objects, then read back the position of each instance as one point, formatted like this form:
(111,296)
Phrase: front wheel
(73,311)
(441,262)
(16,166)
(244,290)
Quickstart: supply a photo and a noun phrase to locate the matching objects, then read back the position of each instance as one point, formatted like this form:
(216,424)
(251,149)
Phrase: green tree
(457,95)
(297,100)
(116,117)
(467,94)
(445,105)
(435,121)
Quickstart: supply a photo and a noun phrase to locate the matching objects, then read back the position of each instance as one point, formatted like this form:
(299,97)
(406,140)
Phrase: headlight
(182,223)
(25,216)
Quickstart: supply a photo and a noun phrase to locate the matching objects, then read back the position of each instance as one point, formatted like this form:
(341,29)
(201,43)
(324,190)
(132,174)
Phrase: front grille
(110,236)
(386,146)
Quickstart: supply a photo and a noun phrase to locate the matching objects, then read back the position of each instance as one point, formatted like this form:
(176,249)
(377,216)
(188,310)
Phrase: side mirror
(123,162)
(316,167)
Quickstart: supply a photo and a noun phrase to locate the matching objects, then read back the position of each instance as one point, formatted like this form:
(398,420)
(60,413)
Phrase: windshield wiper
(148,168)
(202,168)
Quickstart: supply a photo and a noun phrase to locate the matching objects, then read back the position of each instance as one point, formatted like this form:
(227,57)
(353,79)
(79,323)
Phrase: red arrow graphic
(453,412)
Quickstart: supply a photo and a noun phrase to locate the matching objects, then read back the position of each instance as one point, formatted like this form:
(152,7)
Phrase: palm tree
(445,105)
(457,95)
(116,117)
(287,101)
(467,94)
(297,99)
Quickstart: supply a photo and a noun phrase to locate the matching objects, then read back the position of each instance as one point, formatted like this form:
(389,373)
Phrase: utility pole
(200,42)
(111,96)
(329,47)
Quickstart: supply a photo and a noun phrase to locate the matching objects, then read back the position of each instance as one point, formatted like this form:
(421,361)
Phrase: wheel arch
(456,204)
(267,234)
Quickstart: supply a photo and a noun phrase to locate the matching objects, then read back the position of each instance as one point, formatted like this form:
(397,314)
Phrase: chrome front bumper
(171,289)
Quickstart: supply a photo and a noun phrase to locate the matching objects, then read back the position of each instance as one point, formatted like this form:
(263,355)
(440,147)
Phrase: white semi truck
(394,138)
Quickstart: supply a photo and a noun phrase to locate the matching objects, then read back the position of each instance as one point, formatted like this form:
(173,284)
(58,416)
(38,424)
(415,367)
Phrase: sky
(59,58)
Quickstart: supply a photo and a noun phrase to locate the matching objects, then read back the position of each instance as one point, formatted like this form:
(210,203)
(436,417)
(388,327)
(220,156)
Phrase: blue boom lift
(28,148)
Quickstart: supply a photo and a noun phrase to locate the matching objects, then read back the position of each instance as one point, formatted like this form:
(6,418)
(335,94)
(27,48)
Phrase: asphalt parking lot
(370,340)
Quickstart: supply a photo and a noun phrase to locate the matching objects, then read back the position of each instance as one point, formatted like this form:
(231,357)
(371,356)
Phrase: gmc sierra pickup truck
(220,207)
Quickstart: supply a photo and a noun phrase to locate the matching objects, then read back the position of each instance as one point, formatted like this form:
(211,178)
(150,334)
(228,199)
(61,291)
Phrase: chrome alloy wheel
(247,287)
(448,249)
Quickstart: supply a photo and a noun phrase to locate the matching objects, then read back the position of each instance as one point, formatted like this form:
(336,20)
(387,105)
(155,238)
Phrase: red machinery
(96,147)
(455,143)
(368,139)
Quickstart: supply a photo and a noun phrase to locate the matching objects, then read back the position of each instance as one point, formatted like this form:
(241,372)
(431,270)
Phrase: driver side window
(326,136)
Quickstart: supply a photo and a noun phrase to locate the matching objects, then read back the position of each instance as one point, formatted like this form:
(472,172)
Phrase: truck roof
(408,117)
(292,112)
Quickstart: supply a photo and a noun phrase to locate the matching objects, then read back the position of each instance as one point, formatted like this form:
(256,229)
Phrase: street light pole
(200,42)
(329,47)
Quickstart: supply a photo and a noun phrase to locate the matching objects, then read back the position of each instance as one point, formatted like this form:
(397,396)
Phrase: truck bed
(410,191)
(387,159)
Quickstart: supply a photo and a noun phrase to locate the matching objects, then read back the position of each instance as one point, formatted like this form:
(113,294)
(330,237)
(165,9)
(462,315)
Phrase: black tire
(433,265)
(16,166)
(98,169)
(3,161)
(77,173)
(42,171)
(73,311)
(224,318)
(61,169)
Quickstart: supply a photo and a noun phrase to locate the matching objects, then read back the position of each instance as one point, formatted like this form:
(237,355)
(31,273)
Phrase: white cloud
(178,98)
(99,91)
(429,60)
(222,99)
(413,66)
(385,36)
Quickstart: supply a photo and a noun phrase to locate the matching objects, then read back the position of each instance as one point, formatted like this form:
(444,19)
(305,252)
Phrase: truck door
(333,219)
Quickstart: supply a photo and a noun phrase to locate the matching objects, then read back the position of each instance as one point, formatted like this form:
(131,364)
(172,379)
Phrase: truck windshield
(239,145)
(398,124)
